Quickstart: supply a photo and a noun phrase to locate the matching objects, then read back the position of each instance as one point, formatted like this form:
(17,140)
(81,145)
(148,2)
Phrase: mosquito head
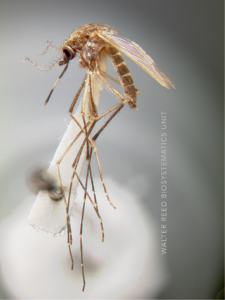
(68,54)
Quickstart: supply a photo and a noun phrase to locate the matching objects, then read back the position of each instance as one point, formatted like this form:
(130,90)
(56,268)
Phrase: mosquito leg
(87,194)
(63,155)
(78,135)
(70,252)
(110,77)
(95,149)
(88,157)
(69,231)
(82,219)
(111,88)
(96,155)
(89,166)
(74,166)
(94,204)
(96,135)
(98,163)
(81,226)
(94,114)
(92,110)
(101,176)
(82,214)
(67,204)
(68,148)
(86,94)
(95,198)
(77,95)
(81,253)
(70,112)
(92,106)
(85,188)
(77,159)
(69,237)
(119,107)
(85,128)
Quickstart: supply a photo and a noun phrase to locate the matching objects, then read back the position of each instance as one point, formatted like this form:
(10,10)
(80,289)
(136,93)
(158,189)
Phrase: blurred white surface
(127,265)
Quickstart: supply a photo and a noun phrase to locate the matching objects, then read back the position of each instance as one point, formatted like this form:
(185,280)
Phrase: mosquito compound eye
(68,52)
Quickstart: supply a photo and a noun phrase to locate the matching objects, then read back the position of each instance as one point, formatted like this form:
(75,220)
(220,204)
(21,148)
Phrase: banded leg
(88,157)
(85,193)
(93,147)
(82,221)
(69,231)
(87,133)
(95,199)
(90,140)
(119,106)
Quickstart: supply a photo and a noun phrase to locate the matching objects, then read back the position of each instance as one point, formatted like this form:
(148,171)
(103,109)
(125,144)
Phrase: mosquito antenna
(49,45)
(46,68)
(60,76)
(43,68)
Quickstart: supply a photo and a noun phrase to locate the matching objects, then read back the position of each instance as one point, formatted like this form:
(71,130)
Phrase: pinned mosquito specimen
(93,44)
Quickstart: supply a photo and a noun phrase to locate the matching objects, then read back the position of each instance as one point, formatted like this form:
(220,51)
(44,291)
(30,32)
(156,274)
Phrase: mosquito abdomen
(124,76)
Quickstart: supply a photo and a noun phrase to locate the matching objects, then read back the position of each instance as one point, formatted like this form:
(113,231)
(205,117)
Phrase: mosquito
(94,44)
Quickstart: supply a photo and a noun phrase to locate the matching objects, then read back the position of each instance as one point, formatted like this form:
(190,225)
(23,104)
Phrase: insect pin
(41,180)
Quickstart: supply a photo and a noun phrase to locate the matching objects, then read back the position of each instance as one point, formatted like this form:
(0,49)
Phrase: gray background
(185,38)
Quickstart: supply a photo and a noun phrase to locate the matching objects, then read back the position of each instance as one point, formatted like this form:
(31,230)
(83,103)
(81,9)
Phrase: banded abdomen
(124,75)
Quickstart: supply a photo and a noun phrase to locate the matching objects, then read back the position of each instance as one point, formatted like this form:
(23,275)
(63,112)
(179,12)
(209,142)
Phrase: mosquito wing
(138,55)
